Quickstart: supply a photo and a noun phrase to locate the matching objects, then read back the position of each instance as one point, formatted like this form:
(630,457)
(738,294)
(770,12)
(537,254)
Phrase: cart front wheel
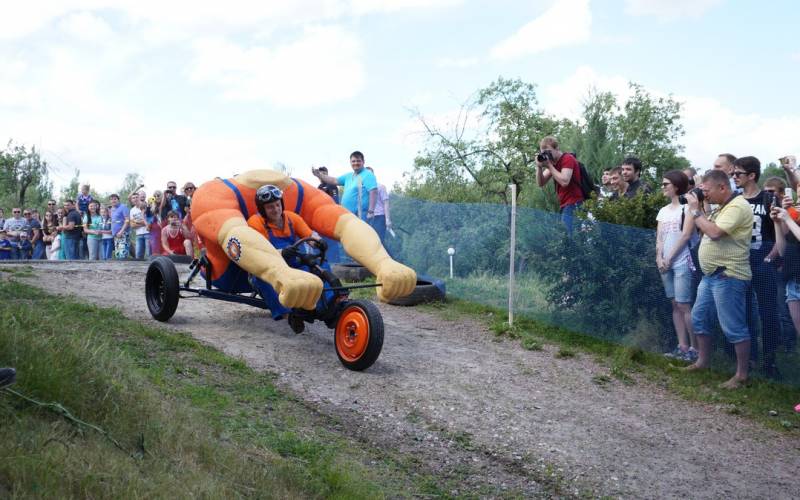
(161,288)
(359,334)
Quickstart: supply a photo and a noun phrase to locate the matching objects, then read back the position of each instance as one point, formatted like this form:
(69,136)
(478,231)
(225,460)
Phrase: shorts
(792,290)
(678,284)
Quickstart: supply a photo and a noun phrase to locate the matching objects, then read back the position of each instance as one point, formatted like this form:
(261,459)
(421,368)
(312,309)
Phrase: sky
(188,91)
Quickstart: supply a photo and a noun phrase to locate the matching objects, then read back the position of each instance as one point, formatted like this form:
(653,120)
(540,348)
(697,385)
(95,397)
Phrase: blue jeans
(15,254)
(568,215)
(378,223)
(71,248)
(726,296)
(94,245)
(38,250)
(108,248)
(141,245)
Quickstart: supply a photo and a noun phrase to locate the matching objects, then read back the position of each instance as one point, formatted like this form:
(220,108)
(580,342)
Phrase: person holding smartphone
(746,172)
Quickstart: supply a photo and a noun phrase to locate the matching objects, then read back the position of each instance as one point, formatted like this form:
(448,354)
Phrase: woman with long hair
(94,238)
(674,261)
(49,232)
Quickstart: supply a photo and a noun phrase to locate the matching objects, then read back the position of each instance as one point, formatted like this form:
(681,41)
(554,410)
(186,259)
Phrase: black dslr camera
(544,156)
(698,192)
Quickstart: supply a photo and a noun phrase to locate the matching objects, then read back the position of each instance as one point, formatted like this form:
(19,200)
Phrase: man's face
(613,179)
(16,213)
(742,178)
(114,201)
(171,186)
(134,199)
(273,210)
(356,163)
(722,163)
(629,173)
(67,206)
(27,214)
(715,192)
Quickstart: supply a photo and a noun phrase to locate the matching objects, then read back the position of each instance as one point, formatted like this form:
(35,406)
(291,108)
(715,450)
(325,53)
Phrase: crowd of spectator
(727,249)
(161,224)
(89,229)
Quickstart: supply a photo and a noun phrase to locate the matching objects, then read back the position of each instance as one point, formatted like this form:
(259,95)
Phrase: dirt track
(482,411)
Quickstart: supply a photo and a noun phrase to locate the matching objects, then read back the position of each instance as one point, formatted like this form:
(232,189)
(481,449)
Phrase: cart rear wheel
(161,288)
(359,334)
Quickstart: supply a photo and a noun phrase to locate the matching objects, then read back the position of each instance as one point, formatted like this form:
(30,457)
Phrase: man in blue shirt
(120,224)
(360,187)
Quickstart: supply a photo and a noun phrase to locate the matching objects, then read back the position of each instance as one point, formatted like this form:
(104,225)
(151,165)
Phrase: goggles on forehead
(268,193)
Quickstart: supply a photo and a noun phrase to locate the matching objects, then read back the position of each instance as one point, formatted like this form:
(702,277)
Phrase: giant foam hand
(397,280)
(362,243)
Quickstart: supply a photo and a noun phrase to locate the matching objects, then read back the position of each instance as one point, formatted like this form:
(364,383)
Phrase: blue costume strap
(242,204)
(299,196)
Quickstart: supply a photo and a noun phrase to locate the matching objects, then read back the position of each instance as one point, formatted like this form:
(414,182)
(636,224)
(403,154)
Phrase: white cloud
(712,127)
(323,65)
(547,31)
(86,26)
(457,62)
(365,6)
(565,98)
(669,9)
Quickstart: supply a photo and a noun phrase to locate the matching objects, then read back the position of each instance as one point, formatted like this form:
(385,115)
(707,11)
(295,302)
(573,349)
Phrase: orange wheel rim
(352,334)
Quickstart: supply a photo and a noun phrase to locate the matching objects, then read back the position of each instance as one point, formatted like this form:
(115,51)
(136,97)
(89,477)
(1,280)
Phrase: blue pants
(568,215)
(378,223)
(141,245)
(38,250)
(729,298)
(107,252)
(71,248)
(765,306)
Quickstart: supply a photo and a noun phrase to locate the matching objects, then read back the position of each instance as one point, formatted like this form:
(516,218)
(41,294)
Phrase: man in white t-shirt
(139,224)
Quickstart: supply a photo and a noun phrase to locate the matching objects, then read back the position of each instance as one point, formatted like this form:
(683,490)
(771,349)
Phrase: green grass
(626,364)
(191,421)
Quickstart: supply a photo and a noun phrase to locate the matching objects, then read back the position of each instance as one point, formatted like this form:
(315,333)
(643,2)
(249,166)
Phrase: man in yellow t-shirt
(724,259)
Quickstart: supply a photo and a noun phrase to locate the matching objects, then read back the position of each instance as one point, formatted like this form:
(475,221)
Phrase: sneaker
(7,377)
(296,323)
(691,355)
(676,354)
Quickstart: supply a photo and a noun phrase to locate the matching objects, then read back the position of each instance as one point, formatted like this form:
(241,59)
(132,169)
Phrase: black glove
(322,245)
(290,253)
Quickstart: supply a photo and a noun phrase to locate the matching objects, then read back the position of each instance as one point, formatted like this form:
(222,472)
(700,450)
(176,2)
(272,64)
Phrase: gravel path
(486,413)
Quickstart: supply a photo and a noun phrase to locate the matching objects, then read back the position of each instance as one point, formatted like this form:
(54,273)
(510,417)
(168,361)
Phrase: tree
(24,175)
(132,182)
(649,128)
(493,143)
(70,191)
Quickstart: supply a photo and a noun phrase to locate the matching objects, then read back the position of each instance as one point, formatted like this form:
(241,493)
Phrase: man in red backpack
(563,168)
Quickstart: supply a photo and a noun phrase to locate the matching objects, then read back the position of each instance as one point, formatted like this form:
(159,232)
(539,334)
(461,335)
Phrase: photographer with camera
(746,171)
(552,163)
(724,256)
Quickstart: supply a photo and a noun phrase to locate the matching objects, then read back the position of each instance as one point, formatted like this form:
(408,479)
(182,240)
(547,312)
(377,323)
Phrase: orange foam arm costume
(222,226)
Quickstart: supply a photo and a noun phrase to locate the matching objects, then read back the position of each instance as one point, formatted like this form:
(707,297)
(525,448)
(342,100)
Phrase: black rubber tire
(161,288)
(425,291)
(352,273)
(375,340)
(178,259)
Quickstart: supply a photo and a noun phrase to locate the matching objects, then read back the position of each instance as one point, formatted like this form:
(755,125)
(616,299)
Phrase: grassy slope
(192,421)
